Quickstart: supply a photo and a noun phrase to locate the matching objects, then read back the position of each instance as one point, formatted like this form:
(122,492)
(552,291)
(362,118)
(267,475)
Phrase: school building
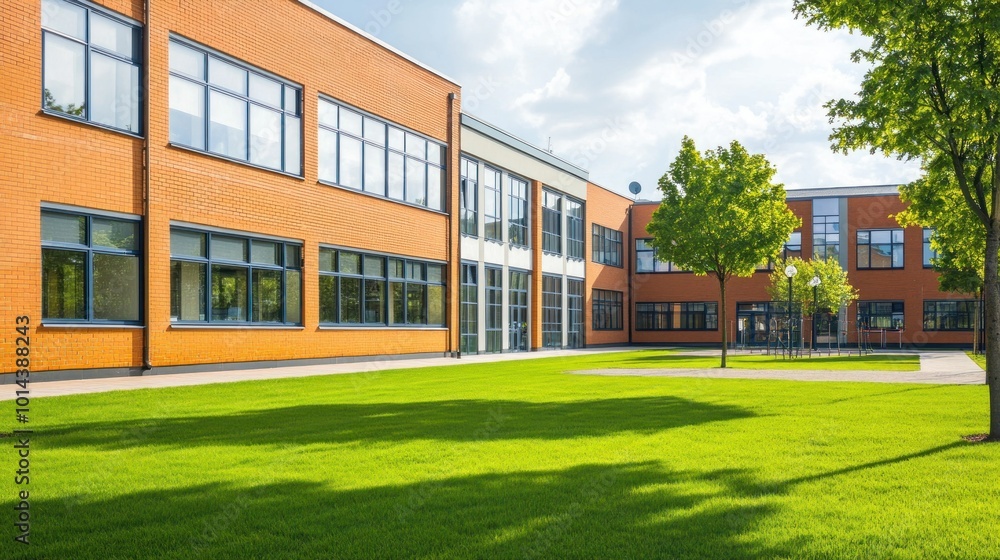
(221,184)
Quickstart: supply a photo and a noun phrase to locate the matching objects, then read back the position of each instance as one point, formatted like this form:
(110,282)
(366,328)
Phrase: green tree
(721,215)
(834,291)
(932,93)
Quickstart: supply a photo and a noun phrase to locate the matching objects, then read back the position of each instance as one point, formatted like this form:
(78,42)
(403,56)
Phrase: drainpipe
(449,205)
(630,251)
(146,330)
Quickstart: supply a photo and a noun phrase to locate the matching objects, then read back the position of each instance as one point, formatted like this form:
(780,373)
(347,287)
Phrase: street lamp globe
(815,282)
(791,271)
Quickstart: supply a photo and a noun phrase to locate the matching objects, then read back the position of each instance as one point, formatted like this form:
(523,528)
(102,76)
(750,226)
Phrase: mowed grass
(511,460)
(979,359)
(679,360)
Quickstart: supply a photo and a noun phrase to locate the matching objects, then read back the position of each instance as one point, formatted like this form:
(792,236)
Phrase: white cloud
(556,88)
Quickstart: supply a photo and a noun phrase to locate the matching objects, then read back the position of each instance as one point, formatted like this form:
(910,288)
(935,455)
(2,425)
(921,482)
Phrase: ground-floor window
(230,278)
(880,315)
(552,324)
(469,310)
(607,310)
(950,315)
(574,305)
(91,268)
(518,293)
(376,290)
(691,316)
(494,310)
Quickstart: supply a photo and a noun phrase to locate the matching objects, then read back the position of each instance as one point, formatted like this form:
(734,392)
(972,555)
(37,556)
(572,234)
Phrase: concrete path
(936,368)
(76,387)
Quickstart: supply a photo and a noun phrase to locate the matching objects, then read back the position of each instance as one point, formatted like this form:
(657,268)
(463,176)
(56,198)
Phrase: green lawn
(511,460)
(677,359)
(979,359)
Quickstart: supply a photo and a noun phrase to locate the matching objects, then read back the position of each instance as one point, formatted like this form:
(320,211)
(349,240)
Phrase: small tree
(720,215)
(834,291)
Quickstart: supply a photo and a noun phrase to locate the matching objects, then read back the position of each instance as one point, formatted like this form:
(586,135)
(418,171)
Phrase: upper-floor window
(230,109)
(518,220)
(826,228)
(492,181)
(90,268)
(364,153)
(646,260)
(551,222)
(91,61)
(607,244)
(793,247)
(574,229)
(929,253)
(469,197)
(225,278)
(880,248)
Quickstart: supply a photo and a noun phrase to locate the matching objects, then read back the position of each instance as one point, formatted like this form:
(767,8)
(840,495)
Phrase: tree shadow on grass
(629,510)
(682,361)
(453,420)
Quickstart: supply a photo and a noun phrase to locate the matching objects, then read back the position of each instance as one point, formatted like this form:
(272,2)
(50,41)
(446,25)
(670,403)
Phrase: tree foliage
(834,292)
(721,214)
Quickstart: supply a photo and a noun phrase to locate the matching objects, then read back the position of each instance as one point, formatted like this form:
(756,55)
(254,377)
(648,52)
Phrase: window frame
(929,254)
(89,49)
(576,247)
(607,241)
(209,261)
(826,231)
(250,69)
(549,311)
(89,250)
(607,310)
(468,329)
(552,216)
(468,215)
(664,313)
(496,193)
(869,304)
(892,248)
(670,267)
(524,204)
(939,317)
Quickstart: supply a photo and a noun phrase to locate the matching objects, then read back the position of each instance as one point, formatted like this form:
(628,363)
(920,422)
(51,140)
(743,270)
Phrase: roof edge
(500,135)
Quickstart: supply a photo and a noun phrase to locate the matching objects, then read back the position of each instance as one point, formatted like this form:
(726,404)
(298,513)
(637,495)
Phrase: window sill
(380,197)
(68,118)
(221,157)
(382,328)
(208,327)
(112,326)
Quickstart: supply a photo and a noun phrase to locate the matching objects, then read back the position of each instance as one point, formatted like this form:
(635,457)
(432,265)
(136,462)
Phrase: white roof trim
(375,40)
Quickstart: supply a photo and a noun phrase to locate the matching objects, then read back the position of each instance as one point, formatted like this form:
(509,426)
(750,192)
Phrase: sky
(614,85)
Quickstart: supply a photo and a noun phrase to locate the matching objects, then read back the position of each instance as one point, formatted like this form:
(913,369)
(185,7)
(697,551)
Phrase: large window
(518,291)
(230,109)
(551,222)
(574,229)
(469,310)
(607,246)
(607,310)
(697,316)
(469,197)
(552,312)
(90,268)
(793,247)
(950,315)
(494,310)
(880,314)
(826,228)
(880,248)
(929,253)
(91,61)
(574,306)
(518,219)
(222,278)
(646,260)
(364,153)
(492,181)
(375,290)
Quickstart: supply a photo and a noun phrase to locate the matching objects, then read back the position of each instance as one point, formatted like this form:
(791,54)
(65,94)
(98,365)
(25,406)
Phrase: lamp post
(815,282)
(790,272)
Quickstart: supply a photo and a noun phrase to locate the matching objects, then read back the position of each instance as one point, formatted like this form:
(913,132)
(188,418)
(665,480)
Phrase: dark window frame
(607,310)
(469,309)
(552,314)
(826,233)
(208,261)
(659,316)
(936,319)
(90,250)
(867,246)
(607,246)
(493,327)
(494,233)
(576,236)
(552,218)
(869,309)
(469,193)
(659,267)
(929,254)
(89,50)
(517,235)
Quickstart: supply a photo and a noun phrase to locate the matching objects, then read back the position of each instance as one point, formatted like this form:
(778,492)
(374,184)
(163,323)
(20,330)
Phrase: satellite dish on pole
(635,188)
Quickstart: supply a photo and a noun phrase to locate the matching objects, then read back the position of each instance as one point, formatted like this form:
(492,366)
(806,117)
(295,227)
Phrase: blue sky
(616,84)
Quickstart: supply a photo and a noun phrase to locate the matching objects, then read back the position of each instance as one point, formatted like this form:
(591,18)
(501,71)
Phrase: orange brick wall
(610,210)
(50,159)
(913,284)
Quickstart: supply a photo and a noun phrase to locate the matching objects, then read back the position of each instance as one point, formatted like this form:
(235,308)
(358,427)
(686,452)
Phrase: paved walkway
(76,387)
(936,368)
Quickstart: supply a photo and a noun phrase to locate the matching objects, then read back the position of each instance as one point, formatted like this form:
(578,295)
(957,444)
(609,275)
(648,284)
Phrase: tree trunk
(725,325)
(991,286)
